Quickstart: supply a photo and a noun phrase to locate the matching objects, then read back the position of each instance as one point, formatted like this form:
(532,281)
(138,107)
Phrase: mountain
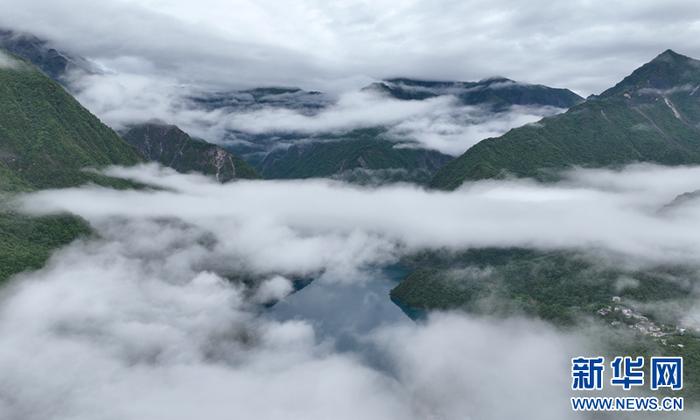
(681,199)
(46,137)
(653,115)
(499,92)
(173,147)
(363,155)
(358,160)
(558,285)
(360,156)
(633,309)
(46,140)
(53,62)
(307,102)
(668,71)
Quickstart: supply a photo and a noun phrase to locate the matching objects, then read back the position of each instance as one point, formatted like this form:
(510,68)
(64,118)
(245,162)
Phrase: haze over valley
(341,211)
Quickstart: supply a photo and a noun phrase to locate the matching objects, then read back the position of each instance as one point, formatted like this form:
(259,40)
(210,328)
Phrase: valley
(220,228)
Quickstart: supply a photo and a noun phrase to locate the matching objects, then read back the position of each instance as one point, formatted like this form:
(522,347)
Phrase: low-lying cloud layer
(106,333)
(439,123)
(453,131)
(621,212)
(140,322)
(353,110)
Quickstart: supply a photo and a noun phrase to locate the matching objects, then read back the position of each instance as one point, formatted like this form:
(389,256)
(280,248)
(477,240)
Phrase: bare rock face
(172,147)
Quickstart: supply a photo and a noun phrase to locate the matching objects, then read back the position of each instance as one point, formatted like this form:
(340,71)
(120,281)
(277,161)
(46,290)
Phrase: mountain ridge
(172,147)
(498,92)
(662,72)
(54,62)
(47,137)
(644,118)
(359,156)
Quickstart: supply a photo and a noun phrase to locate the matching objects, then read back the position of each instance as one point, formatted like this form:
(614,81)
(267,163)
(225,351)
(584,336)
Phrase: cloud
(7,62)
(455,367)
(339,45)
(353,110)
(453,131)
(141,321)
(439,123)
(616,211)
(105,333)
(123,99)
(113,336)
(273,289)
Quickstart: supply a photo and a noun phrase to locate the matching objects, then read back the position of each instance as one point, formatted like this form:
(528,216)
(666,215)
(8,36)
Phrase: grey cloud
(454,130)
(356,109)
(324,45)
(8,62)
(156,55)
(438,123)
(130,340)
(140,322)
(592,209)
(273,289)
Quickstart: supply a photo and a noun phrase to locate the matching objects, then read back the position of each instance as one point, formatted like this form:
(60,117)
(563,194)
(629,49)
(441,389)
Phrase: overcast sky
(580,44)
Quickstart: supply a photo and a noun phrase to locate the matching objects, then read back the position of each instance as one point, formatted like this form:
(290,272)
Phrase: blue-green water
(344,312)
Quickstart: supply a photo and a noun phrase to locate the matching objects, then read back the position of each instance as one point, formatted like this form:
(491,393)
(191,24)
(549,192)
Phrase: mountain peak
(497,92)
(169,145)
(670,55)
(667,70)
(53,62)
(495,79)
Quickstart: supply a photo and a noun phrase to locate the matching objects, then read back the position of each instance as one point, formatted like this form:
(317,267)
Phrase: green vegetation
(47,137)
(631,311)
(556,286)
(27,242)
(350,155)
(46,140)
(651,116)
(173,147)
